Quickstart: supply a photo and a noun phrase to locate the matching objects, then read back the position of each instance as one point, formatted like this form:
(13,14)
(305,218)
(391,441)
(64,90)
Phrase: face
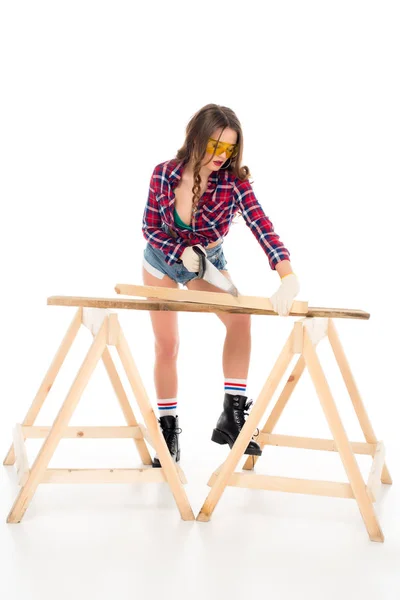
(229,137)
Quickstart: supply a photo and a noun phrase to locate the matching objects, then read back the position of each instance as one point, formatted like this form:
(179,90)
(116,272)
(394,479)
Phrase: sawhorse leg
(246,433)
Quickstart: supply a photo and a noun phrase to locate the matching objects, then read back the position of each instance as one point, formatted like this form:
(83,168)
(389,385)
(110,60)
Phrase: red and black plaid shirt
(224,196)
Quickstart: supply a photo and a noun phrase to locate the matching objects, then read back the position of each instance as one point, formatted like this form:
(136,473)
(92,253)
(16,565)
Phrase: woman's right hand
(190,259)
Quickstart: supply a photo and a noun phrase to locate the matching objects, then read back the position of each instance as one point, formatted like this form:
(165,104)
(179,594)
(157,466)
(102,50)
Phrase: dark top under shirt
(179,221)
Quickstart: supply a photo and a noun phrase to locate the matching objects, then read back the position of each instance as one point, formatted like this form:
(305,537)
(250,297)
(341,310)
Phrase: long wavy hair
(198,131)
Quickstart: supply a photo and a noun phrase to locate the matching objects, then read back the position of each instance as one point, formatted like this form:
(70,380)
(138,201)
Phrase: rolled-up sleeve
(258,222)
(151,225)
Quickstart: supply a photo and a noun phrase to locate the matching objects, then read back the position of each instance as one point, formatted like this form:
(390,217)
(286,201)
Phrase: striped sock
(235,386)
(167,406)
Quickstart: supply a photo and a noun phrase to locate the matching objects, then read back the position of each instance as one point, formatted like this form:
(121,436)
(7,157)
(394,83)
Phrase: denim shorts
(154,261)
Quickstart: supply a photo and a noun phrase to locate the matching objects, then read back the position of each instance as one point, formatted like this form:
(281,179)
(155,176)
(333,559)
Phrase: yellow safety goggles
(213,146)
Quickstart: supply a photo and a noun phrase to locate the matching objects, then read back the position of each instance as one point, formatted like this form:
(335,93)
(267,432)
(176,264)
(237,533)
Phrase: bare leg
(236,360)
(237,345)
(165,327)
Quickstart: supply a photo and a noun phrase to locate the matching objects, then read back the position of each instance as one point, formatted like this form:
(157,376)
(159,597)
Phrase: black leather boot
(231,422)
(169,426)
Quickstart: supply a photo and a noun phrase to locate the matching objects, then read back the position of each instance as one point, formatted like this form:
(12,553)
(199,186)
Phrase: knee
(240,322)
(167,348)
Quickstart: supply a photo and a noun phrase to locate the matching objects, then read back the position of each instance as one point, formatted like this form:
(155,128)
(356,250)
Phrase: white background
(94,95)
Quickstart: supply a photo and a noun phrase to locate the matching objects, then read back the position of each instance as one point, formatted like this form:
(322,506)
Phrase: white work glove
(190,259)
(283,298)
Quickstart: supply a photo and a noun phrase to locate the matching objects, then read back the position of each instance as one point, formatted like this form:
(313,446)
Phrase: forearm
(284,267)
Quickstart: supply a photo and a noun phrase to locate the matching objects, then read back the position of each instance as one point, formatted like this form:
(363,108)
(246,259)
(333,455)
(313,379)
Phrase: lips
(218,162)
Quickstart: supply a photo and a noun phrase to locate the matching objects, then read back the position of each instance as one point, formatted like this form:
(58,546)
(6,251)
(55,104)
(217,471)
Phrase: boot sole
(221,438)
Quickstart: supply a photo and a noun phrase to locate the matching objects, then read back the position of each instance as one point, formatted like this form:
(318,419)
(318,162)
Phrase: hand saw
(211,274)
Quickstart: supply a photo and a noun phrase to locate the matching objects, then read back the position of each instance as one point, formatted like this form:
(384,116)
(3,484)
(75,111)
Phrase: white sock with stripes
(236,386)
(167,406)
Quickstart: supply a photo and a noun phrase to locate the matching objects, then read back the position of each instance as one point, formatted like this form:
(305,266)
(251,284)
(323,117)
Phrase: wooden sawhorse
(306,334)
(302,340)
(106,331)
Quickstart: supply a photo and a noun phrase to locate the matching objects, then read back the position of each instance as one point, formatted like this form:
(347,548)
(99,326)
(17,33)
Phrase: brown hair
(199,130)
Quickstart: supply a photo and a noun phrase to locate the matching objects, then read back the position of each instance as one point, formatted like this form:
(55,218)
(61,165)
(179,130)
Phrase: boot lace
(239,414)
(170,433)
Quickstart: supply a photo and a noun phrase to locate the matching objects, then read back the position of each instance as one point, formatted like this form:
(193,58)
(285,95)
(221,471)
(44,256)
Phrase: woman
(192,201)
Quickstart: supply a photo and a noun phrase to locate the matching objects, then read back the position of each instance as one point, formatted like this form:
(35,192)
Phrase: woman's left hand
(283,298)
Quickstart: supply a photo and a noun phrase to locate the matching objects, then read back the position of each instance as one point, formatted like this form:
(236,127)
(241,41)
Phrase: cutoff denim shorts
(154,262)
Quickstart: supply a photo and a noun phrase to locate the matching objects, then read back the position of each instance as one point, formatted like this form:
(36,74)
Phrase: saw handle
(203,258)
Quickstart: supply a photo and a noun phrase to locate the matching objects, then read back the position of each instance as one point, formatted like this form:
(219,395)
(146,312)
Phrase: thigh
(227,318)
(164,322)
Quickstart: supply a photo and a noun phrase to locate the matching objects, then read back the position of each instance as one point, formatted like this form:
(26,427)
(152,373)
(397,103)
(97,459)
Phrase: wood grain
(175,305)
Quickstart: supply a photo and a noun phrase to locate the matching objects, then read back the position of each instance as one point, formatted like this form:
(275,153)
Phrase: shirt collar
(176,175)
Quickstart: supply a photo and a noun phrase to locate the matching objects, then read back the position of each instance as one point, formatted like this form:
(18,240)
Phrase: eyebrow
(230,143)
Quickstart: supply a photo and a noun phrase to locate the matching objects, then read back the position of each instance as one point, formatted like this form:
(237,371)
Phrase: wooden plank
(61,421)
(151,423)
(21,458)
(339,435)
(334,489)
(120,392)
(49,378)
(86,431)
(201,297)
(141,475)
(180,473)
(354,393)
(297,337)
(246,433)
(145,433)
(278,409)
(374,479)
(113,330)
(181,305)
(308,443)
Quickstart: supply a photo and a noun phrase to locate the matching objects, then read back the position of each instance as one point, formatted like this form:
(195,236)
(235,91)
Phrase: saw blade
(210,273)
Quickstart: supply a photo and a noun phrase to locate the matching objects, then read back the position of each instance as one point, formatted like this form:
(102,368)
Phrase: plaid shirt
(224,196)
